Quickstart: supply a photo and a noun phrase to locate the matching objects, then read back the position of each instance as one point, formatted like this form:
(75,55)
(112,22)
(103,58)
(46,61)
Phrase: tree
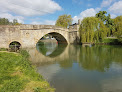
(106,20)
(101,15)
(118,27)
(4,21)
(64,21)
(92,29)
(109,24)
(15,22)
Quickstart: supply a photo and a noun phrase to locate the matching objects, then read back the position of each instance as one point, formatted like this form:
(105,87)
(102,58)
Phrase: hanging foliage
(92,30)
(118,28)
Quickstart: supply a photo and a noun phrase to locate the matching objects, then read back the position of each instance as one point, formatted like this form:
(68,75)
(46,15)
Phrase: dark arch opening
(14,46)
(58,37)
(53,35)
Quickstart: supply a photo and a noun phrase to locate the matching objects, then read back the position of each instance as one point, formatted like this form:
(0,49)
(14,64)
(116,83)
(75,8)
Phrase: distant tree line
(5,21)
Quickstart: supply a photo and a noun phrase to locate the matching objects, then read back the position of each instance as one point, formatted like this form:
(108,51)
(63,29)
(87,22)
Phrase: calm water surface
(74,68)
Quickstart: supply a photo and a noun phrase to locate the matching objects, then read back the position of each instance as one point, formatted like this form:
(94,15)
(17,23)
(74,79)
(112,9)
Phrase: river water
(76,68)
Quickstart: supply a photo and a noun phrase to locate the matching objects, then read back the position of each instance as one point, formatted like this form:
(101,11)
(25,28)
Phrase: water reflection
(51,49)
(46,48)
(80,69)
(97,58)
(38,56)
(100,57)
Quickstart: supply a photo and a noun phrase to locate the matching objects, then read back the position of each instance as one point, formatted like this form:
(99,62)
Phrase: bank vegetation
(18,75)
(101,29)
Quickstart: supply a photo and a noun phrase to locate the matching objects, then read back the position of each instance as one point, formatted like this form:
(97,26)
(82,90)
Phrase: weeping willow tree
(118,27)
(92,30)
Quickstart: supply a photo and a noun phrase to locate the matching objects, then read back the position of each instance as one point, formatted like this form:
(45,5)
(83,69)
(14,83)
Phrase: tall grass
(17,74)
(3,49)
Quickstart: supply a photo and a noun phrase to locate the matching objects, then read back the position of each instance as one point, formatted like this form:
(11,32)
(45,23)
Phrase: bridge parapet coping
(33,27)
(9,26)
(37,27)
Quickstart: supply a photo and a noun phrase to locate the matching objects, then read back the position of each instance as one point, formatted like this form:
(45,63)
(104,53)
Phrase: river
(76,68)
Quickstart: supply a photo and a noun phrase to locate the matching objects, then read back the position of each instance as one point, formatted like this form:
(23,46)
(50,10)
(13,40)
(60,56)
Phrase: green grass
(111,41)
(3,49)
(18,75)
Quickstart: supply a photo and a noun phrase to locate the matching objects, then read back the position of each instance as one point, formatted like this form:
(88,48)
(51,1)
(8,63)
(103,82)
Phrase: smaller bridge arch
(15,45)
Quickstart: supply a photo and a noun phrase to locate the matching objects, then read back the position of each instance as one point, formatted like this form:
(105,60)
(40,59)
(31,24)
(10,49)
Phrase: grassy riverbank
(18,75)
(110,41)
(113,41)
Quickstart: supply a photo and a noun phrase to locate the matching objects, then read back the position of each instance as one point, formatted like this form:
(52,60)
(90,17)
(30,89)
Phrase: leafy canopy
(106,20)
(64,21)
(118,26)
(92,30)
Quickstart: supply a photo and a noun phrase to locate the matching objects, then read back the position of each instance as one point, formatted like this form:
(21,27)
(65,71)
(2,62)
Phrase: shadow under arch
(60,38)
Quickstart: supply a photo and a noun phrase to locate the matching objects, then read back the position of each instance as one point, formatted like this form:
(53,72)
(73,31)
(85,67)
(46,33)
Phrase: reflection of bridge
(38,58)
(29,35)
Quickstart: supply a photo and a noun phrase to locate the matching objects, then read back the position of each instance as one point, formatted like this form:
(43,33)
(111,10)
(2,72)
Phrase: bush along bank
(18,75)
(110,41)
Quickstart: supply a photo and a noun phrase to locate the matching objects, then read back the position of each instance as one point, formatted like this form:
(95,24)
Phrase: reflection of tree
(99,57)
(66,63)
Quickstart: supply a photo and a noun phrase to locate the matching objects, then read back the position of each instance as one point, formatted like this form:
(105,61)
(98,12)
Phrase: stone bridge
(29,35)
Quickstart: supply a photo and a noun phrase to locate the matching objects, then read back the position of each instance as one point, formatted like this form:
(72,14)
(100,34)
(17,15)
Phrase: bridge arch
(15,45)
(60,36)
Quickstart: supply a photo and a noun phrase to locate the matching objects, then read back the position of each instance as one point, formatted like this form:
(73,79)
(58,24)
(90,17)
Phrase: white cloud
(97,9)
(46,22)
(116,7)
(75,19)
(11,17)
(113,16)
(29,7)
(106,3)
(87,13)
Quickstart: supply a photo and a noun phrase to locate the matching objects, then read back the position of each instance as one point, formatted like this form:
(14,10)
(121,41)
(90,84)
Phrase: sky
(47,11)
